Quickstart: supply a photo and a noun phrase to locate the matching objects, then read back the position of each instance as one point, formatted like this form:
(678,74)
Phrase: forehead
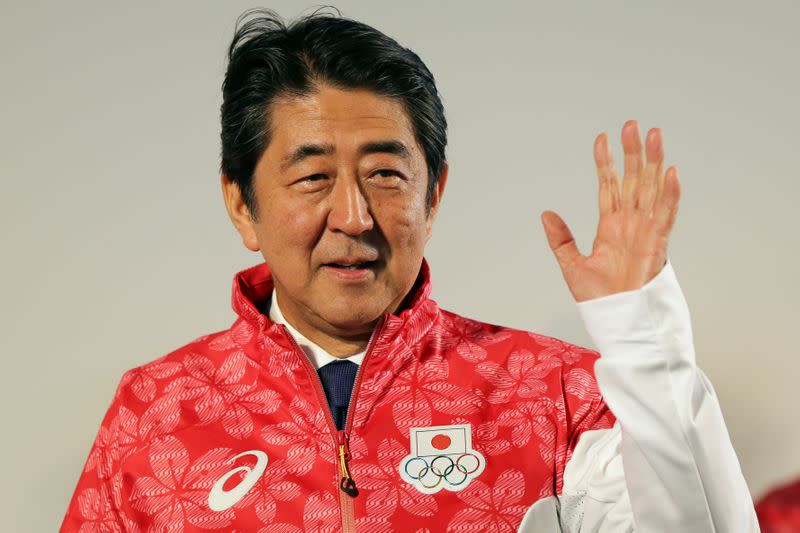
(343,118)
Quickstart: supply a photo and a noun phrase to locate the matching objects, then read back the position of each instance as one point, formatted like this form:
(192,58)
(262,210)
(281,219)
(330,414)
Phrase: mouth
(352,266)
(351,270)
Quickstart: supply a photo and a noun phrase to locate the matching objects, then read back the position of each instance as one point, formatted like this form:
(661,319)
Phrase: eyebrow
(383,147)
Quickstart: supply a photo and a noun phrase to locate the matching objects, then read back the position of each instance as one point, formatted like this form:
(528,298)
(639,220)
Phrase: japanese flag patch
(441,458)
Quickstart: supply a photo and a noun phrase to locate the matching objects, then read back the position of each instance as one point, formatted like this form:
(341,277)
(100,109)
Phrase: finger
(560,239)
(666,207)
(648,186)
(604,160)
(615,187)
(632,146)
(601,159)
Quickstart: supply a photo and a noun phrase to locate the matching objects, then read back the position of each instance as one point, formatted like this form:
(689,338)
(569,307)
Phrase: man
(344,398)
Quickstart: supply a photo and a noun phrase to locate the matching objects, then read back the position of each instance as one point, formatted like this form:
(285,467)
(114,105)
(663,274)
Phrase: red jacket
(779,509)
(454,425)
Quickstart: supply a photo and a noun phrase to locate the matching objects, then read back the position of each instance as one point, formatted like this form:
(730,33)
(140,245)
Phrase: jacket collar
(252,287)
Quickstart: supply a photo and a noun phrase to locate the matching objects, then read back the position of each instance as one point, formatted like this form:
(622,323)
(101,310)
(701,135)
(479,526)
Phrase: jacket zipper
(341,438)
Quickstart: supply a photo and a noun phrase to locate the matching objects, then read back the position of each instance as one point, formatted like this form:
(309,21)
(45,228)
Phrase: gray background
(117,248)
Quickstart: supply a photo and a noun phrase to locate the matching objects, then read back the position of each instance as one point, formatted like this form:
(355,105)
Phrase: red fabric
(779,510)
(176,424)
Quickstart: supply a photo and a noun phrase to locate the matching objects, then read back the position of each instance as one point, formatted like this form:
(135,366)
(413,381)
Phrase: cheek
(288,234)
(405,224)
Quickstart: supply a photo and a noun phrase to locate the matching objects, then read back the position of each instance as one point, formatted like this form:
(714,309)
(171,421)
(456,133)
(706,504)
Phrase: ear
(436,201)
(239,213)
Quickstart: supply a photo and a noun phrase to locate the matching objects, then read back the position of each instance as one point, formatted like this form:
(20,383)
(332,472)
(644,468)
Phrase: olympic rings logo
(442,468)
(441,457)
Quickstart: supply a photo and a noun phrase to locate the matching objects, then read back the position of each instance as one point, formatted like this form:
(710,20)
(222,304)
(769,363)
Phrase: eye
(388,174)
(312,182)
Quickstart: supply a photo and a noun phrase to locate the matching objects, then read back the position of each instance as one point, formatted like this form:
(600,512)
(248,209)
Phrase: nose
(349,210)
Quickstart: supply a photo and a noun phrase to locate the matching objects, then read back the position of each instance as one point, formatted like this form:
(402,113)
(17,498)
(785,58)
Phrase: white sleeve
(668,463)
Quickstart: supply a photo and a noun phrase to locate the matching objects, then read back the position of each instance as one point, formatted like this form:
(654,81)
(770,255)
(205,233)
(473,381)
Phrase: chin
(349,316)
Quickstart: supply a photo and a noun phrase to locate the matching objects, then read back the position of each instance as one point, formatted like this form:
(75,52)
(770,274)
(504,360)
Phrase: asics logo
(220,499)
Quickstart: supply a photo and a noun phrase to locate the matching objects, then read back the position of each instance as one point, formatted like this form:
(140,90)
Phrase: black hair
(268,59)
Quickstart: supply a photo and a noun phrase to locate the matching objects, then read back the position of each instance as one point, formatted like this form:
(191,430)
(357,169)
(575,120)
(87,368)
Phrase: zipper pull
(346,484)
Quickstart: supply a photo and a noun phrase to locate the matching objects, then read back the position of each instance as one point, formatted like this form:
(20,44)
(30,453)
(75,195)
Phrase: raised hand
(630,247)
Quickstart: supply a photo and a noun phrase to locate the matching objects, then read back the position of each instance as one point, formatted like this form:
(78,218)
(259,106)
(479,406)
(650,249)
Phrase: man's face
(342,220)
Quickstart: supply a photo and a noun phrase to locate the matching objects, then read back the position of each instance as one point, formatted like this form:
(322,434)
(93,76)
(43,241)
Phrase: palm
(630,246)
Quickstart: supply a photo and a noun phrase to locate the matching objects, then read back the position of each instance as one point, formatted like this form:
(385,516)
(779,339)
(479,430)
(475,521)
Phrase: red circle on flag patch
(440,442)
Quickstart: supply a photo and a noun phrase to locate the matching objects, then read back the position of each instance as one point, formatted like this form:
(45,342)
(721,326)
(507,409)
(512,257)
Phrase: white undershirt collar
(317,355)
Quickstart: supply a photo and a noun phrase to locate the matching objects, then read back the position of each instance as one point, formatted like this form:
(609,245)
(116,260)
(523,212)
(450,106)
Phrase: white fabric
(595,472)
(668,463)
(315,353)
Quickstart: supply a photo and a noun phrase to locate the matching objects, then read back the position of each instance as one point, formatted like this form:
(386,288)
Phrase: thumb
(560,239)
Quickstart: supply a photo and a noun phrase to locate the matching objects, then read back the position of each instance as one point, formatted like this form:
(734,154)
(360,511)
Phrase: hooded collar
(253,286)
